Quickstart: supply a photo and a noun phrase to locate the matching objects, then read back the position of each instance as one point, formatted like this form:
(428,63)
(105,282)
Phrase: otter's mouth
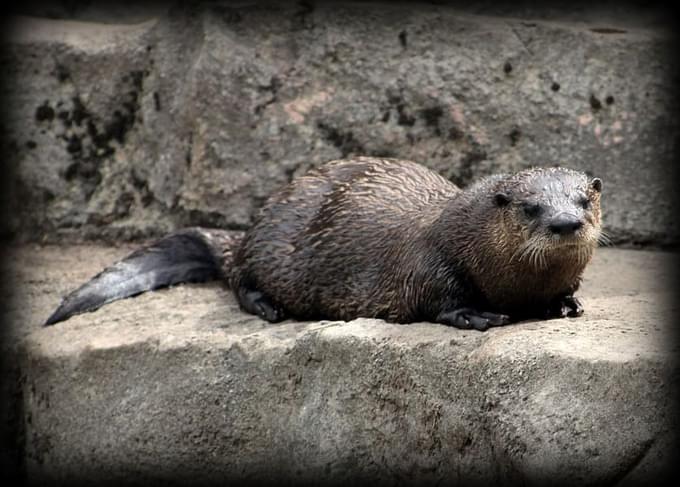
(540,249)
(584,238)
(570,245)
(562,242)
(570,249)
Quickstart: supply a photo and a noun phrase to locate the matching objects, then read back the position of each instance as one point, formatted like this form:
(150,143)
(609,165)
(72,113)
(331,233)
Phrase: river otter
(386,238)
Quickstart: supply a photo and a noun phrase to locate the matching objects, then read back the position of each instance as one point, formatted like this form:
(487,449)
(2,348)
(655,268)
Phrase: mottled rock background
(126,122)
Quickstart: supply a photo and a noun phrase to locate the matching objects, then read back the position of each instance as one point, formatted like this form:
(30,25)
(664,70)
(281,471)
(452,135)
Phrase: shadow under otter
(390,239)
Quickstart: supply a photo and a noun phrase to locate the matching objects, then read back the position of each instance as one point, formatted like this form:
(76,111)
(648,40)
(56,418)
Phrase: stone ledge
(178,385)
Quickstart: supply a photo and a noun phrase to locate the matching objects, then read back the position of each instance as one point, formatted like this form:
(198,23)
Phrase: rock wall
(195,115)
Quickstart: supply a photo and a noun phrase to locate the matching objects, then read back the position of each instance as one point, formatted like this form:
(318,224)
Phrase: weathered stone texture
(196,115)
(180,386)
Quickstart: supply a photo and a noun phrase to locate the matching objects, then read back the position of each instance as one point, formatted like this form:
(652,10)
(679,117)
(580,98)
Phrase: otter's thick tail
(189,255)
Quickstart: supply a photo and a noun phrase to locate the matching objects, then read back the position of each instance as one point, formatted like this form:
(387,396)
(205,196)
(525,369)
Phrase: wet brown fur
(386,238)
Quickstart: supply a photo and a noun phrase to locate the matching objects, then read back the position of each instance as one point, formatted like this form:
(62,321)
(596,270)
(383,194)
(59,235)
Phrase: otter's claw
(466,318)
(256,303)
(565,306)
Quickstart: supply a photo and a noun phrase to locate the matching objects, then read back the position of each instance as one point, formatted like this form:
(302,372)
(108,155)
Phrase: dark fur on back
(391,239)
(345,240)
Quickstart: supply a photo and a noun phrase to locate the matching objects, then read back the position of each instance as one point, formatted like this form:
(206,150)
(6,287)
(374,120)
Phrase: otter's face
(554,212)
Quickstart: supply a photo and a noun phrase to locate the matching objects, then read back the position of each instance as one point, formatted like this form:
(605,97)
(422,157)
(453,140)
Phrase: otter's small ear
(596,184)
(501,199)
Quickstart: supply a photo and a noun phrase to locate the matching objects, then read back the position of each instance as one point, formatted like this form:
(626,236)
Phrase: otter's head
(548,214)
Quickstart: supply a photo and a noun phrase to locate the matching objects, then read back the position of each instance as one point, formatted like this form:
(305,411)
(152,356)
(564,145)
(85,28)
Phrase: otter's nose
(565,224)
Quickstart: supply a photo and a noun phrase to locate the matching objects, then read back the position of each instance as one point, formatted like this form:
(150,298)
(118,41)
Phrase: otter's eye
(532,210)
(585,203)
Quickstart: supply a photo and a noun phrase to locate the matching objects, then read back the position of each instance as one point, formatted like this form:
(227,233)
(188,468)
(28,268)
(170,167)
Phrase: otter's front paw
(466,318)
(565,306)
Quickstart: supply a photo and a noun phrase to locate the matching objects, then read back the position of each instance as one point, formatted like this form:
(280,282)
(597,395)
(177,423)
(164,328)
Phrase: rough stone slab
(178,385)
(195,116)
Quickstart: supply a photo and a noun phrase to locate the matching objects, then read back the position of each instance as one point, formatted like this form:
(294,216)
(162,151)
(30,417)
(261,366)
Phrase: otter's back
(326,239)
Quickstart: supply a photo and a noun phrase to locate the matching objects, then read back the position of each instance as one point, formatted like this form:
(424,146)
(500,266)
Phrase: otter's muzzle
(565,224)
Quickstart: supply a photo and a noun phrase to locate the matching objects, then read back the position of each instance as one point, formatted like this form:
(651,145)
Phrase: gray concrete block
(180,386)
(195,116)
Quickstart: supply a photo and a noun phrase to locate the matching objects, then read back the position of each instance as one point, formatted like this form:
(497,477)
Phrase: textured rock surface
(179,385)
(195,116)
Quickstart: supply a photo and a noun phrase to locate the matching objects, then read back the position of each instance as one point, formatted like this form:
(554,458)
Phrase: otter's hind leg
(255,302)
